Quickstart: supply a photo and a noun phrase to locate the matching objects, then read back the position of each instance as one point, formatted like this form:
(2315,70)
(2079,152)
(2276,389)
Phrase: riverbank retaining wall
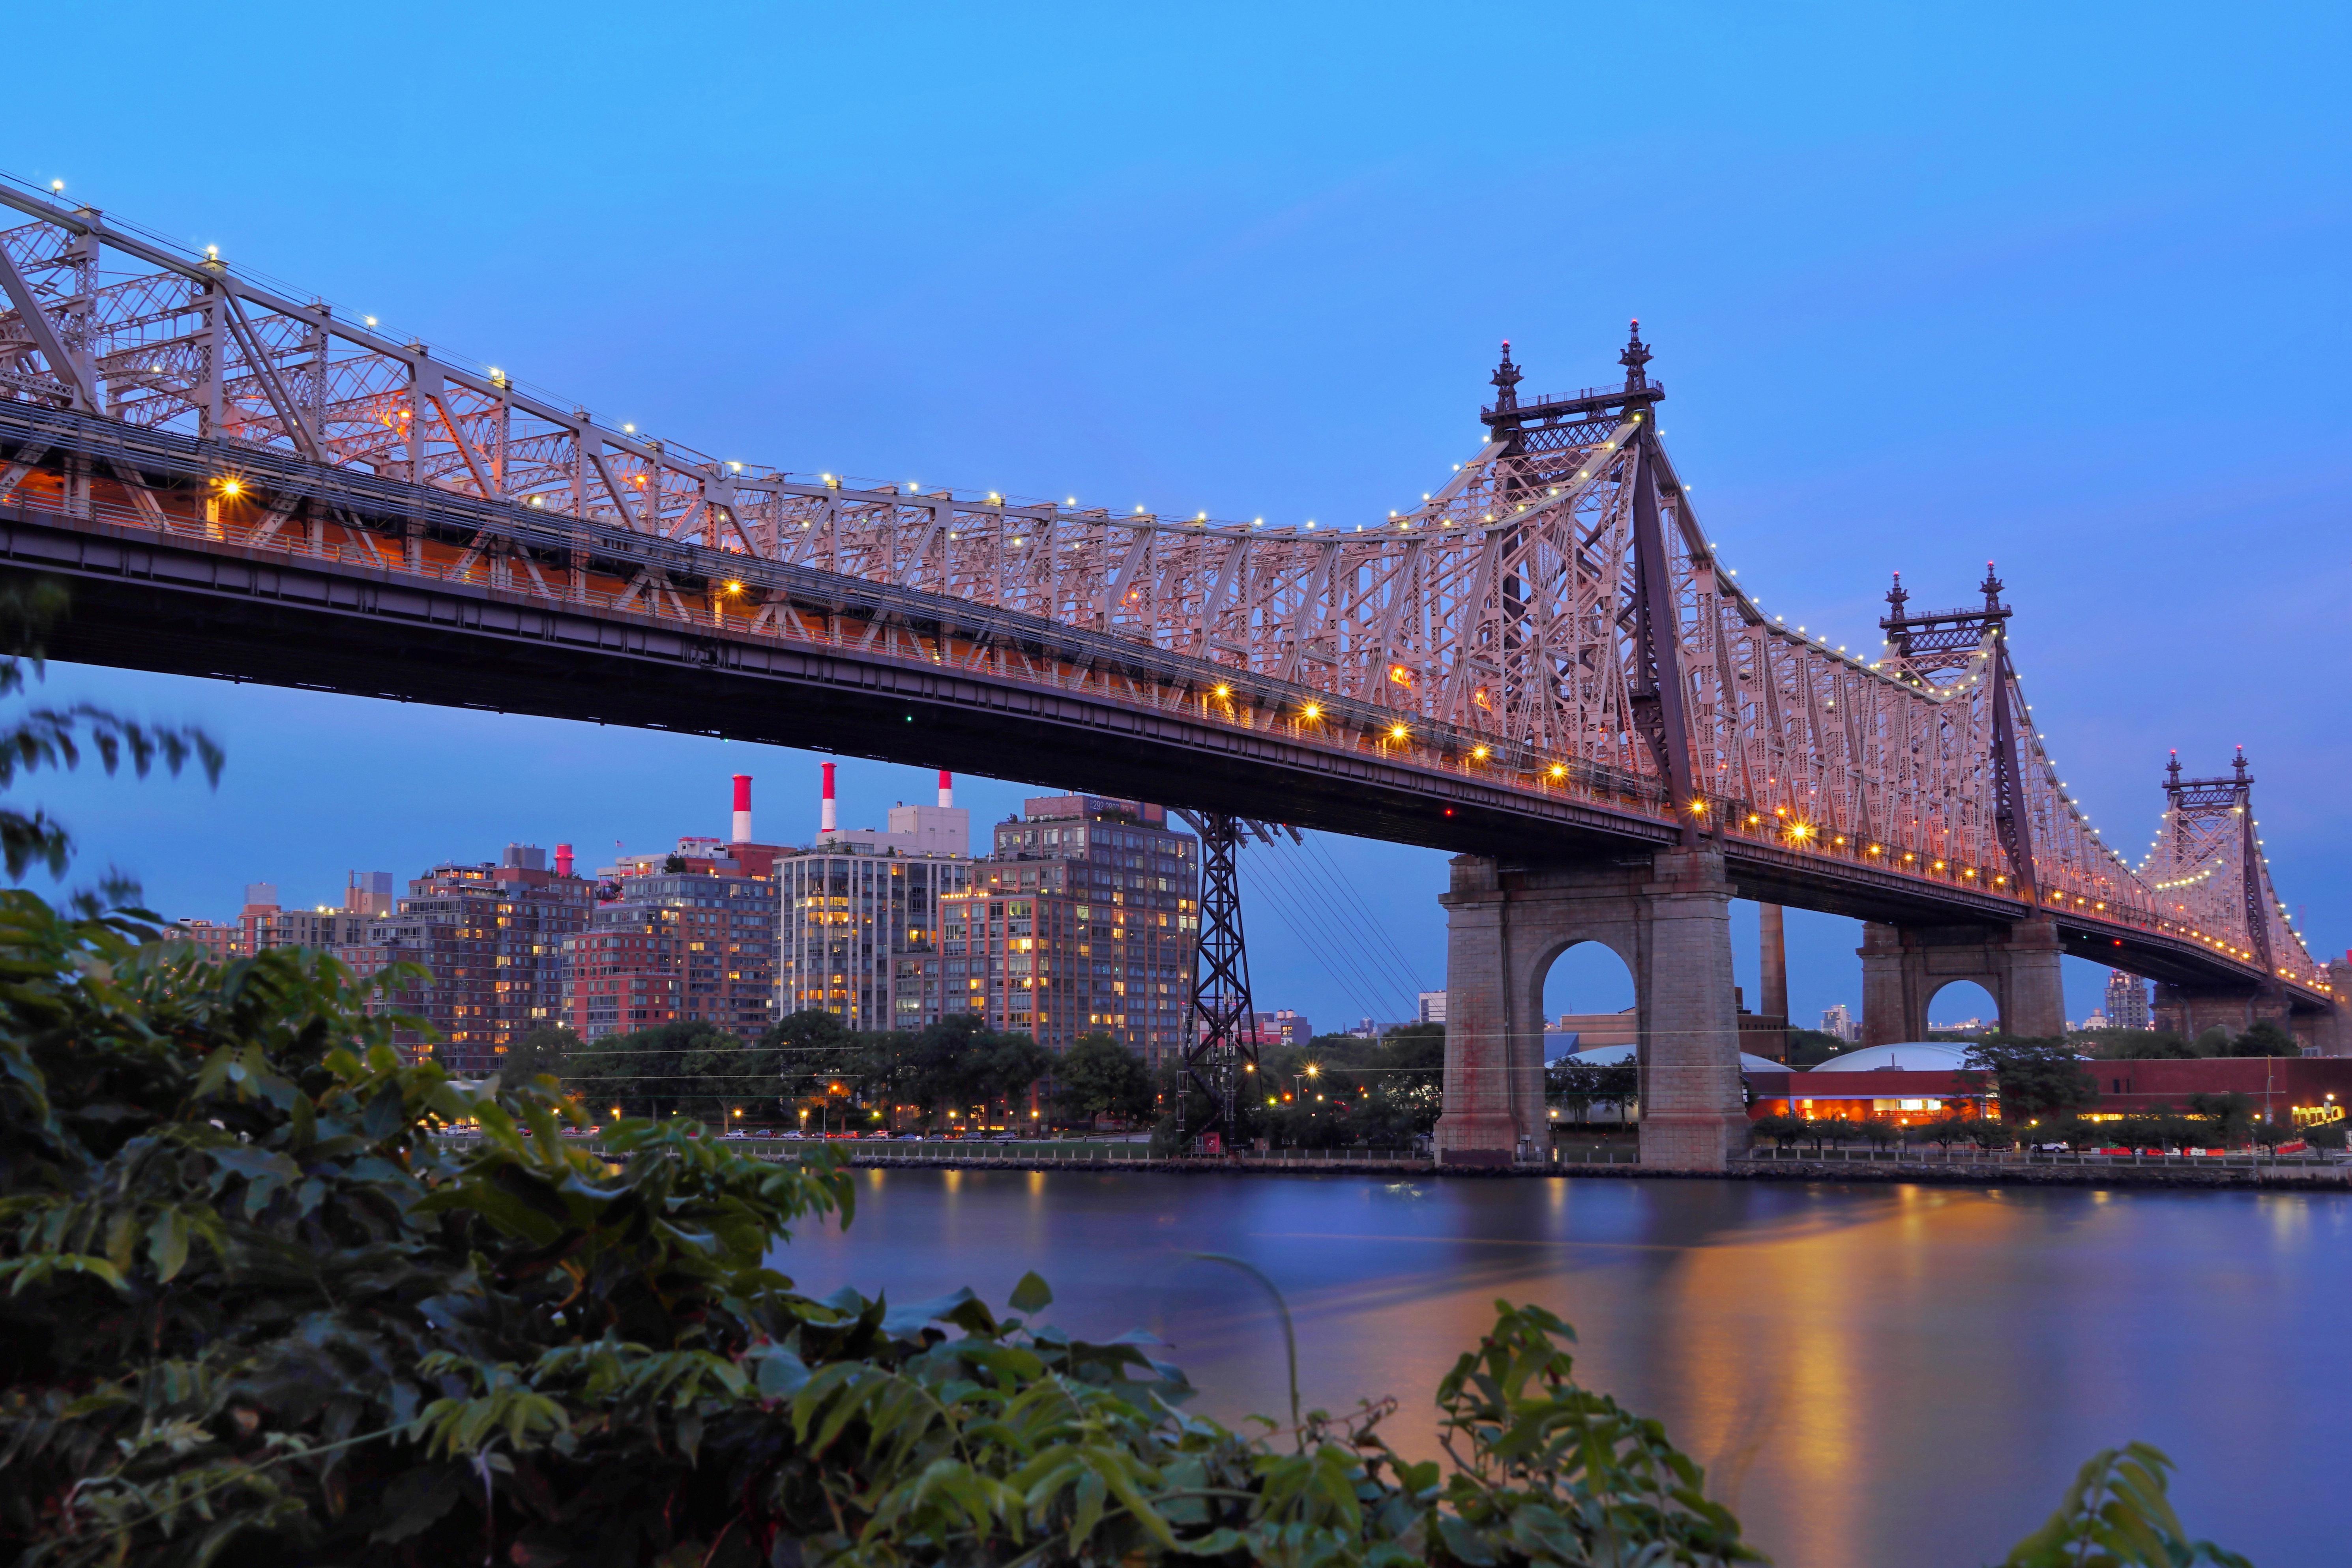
(1960,1172)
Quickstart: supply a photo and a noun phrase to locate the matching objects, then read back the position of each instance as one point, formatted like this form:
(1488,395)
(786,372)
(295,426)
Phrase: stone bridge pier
(2189,1011)
(1903,967)
(2324,1030)
(1669,918)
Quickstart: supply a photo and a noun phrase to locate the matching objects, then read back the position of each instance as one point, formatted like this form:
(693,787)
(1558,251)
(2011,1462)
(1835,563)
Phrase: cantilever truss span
(1552,623)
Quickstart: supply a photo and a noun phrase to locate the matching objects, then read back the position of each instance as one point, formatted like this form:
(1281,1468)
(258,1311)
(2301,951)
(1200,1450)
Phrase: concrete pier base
(1669,919)
(1903,967)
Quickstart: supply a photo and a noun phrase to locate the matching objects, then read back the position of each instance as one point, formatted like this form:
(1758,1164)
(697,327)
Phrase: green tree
(2134,1044)
(1986,1133)
(548,1050)
(1577,1086)
(2267,1038)
(1811,1047)
(1410,1069)
(691,1069)
(2214,1041)
(960,1065)
(2226,1119)
(1099,1076)
(814,1050)
(1946,1130)
(2033,1077)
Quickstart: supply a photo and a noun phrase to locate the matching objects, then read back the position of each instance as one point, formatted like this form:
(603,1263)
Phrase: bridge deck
(324,579)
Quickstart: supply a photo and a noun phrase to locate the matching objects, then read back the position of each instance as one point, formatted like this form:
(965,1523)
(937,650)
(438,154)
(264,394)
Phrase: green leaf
(782,1374)
(167,1244)
(1030,1295)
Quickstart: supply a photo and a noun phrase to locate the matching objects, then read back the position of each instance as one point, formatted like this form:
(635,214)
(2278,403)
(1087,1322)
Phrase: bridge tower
(1903,965)
(1667,913)
(1221,1030)
(2209,828)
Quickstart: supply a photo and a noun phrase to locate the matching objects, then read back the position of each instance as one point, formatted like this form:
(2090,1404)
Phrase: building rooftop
(1903,1056)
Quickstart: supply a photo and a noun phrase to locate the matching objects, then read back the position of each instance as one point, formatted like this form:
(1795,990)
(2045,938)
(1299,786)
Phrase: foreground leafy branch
(252,1311)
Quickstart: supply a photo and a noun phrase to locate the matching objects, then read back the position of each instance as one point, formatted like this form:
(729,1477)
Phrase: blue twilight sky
(2059,285)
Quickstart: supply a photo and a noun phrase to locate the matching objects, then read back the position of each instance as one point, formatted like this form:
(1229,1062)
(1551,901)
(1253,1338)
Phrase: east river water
(1873,1375)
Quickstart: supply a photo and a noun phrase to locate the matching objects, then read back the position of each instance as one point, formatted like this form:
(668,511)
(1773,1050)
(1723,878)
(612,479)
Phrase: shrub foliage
(253,1311)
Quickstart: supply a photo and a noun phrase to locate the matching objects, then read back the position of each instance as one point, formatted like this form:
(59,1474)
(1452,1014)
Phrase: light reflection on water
(1871,1375)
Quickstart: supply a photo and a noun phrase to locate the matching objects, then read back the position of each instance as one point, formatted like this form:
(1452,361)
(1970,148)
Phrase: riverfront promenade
(1969,1168)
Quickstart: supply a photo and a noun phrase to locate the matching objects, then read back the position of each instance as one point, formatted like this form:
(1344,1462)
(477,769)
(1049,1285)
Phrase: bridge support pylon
(1669,918)
(1903,967)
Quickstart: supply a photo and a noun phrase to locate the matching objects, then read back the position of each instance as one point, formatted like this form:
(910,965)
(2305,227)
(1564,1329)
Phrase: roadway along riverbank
(2179,1173)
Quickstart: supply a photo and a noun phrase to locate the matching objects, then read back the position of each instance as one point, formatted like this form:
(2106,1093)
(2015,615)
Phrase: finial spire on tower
(1636,355)
(1896,599)
(2172,770)
(1506,380)
(1992,586)
(2239,764)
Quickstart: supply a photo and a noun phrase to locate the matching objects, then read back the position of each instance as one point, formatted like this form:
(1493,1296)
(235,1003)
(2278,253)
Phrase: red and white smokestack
(563,860)
(947,788)
(743,809)
(826,821)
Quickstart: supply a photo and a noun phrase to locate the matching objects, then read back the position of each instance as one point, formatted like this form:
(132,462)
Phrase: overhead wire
(1300,881)
(1329,956)
(1296,908)
(1338,877)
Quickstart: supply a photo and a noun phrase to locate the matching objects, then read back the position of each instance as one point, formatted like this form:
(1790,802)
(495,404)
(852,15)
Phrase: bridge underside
(386,596)
(198,607)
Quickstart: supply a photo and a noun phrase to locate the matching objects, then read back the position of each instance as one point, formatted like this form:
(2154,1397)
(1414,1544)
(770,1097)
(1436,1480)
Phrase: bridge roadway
(324,579)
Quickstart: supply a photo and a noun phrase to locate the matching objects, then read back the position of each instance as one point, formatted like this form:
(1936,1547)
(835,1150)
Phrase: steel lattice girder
(1490,626)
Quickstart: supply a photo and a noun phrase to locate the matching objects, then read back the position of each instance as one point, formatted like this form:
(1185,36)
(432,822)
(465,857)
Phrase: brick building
(2297,1090)
(218,941)
(1084,919)
(684,937)
(310,928)
(493,936)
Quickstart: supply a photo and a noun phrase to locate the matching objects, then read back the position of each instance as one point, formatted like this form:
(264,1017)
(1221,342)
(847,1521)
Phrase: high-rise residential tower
(1083,919)
(493,936)
(859,913)
(2126,1004)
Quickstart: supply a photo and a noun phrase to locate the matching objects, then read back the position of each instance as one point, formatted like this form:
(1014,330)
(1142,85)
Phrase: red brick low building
(2302,1089)
(2308,1088)
(1902,1097)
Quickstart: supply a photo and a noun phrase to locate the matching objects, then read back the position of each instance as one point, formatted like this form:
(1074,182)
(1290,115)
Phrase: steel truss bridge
(1544,658)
